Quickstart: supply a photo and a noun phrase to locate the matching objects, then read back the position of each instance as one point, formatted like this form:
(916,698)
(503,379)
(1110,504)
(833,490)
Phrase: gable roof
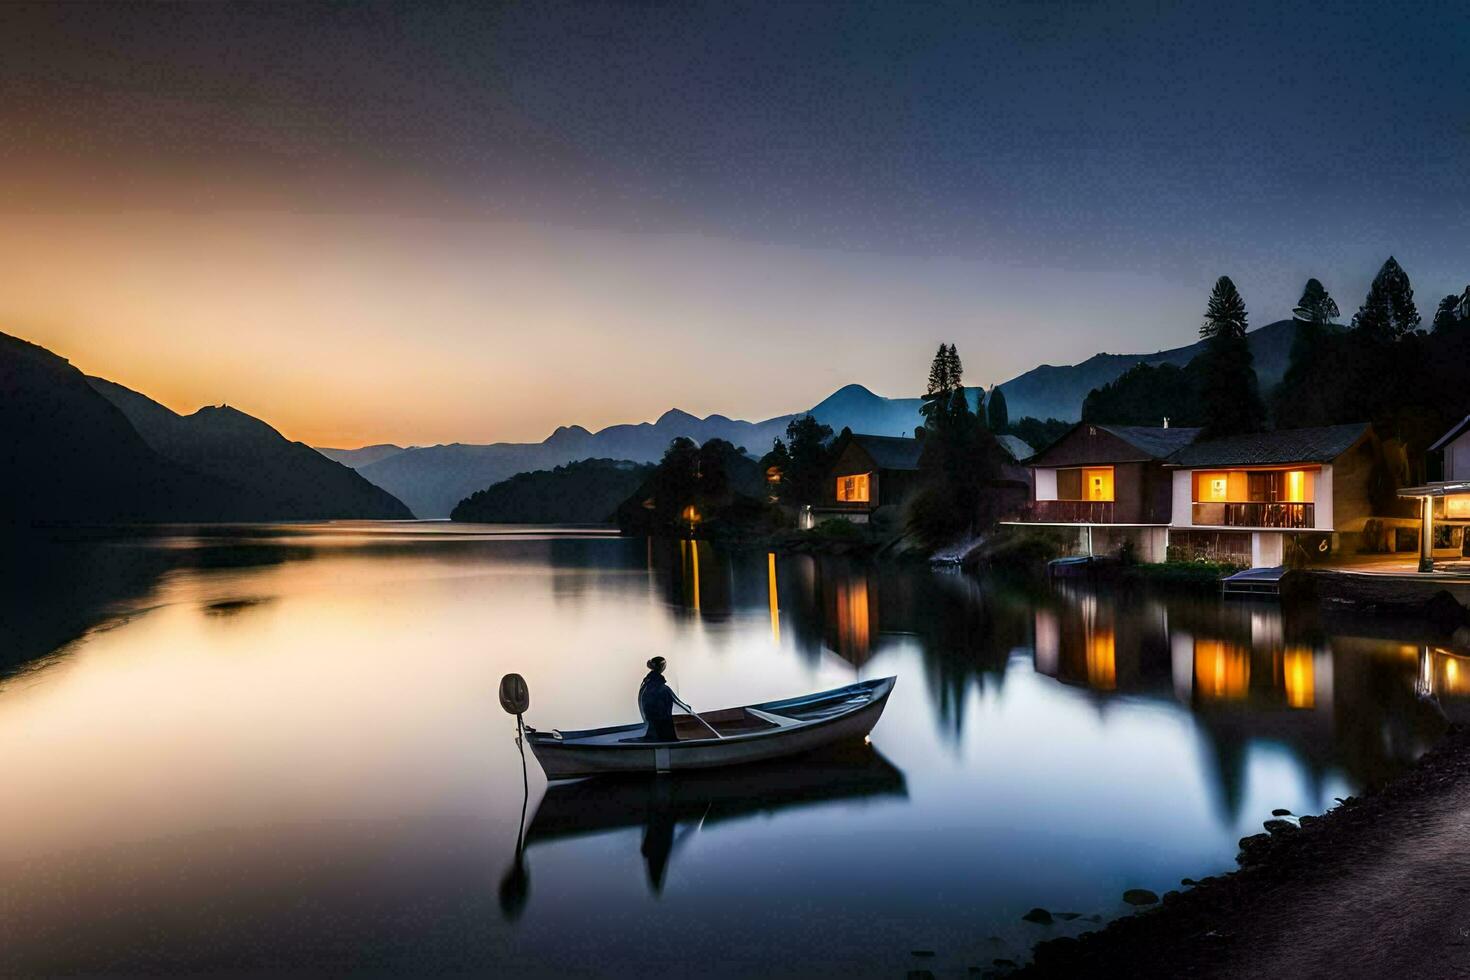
(1017,447)
(1317,445)
(1456,431)
(1156,441)
(890,452)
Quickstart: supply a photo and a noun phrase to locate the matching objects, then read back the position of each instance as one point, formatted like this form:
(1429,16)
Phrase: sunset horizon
(735,489)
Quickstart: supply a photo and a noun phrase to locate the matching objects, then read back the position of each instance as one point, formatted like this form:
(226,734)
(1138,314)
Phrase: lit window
(853,489)
(1097,484)
(1296,487)
(1214,487)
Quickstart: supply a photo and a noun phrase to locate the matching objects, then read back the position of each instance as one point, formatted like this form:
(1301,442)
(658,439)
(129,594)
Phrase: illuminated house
(1109,483)
(1259,497)
(1444,505)
(869,472)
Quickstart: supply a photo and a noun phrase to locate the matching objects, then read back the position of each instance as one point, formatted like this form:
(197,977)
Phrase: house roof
(1156,441)
(1456,431)
(1318,445)
(1018,448)
(890,452)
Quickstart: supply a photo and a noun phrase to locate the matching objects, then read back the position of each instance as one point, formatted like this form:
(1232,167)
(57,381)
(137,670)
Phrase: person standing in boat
(656,702)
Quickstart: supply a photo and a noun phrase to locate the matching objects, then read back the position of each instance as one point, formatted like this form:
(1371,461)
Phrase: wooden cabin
(1108,482)
(1288,496)
(869,472)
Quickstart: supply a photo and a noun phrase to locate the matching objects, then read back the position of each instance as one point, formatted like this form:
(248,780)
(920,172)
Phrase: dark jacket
(656,704)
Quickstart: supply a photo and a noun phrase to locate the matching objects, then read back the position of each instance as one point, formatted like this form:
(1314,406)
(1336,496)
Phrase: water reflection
(280,698)
(670,809)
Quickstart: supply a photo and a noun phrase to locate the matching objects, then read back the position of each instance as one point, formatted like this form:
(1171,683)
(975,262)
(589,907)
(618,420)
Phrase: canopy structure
(1455,501)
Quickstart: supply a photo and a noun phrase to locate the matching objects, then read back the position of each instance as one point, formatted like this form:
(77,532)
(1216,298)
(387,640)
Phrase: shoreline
(1374,887)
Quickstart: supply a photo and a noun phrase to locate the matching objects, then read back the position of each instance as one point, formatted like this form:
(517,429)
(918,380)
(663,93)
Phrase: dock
(1255,582)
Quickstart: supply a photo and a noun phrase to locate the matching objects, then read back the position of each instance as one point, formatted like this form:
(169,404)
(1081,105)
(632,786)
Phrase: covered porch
(1444,515)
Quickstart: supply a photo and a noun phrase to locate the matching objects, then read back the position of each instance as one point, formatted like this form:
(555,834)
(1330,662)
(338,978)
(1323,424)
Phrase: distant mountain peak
(568,435)
(676,416)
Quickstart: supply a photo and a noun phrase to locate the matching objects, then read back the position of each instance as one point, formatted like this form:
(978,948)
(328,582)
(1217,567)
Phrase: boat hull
(568,760)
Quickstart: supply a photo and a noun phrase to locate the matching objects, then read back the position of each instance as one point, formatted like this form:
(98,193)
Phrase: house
(1444,504)
(1291,494)
(869,472)
(1109,483)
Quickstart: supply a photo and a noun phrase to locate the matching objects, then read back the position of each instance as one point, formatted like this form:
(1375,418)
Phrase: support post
(1426,535)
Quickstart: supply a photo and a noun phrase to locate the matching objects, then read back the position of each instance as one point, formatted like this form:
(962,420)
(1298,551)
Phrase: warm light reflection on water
(266,748)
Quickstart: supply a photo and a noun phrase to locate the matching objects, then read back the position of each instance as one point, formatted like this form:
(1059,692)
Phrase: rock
(1066,916)
(1170,896)
(1307,820)
(1039,916)
(1282,825)
(1253,849)
(1140,896)
(1188,882)
(1278,812)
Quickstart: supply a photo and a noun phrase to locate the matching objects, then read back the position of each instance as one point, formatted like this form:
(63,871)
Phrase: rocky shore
(1377,887)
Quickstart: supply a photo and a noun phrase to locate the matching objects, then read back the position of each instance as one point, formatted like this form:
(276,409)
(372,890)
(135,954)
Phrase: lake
(279,748)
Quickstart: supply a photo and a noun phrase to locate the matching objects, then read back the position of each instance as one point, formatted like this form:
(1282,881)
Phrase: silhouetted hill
(1052,391)
(284,479)
(70,455)
(585,492)
(358,458)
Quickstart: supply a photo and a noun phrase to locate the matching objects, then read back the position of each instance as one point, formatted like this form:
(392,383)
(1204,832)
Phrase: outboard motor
(515,885)
(515,696)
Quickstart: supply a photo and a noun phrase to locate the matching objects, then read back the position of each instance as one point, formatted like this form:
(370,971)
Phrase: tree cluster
(693,487)
(802,460)
(960,459)
(1385,368)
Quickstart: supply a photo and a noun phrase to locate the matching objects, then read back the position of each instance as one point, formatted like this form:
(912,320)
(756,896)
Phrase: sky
(435,223)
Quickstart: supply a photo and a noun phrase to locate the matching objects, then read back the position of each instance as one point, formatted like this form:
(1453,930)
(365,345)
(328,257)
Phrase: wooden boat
(732,736)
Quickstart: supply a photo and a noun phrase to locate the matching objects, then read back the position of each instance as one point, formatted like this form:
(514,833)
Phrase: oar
(701,720)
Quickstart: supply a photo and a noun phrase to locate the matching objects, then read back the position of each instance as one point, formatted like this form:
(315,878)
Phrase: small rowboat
(729,737)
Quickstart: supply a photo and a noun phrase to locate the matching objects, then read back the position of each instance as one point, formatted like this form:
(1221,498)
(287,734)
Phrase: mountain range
(77,449)
(432,479)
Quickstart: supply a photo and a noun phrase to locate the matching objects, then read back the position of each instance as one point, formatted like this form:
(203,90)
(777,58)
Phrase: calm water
(280,748)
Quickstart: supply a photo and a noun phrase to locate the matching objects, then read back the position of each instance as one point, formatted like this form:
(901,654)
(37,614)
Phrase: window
(1296,487)
(853,488)
(1214,487)
(1091,483)
(1098,483)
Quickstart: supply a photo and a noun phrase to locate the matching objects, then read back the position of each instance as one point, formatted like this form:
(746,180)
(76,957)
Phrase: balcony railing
(1069,512)
(1255,514)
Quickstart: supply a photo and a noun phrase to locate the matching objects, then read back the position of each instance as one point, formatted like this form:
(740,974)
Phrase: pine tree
(1229,392)
(999,415)
(944,378)
(1388,312)
(956,369)
(1316,305)
(1225,314)
(1447,316)
(939,372)
(1314,313)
